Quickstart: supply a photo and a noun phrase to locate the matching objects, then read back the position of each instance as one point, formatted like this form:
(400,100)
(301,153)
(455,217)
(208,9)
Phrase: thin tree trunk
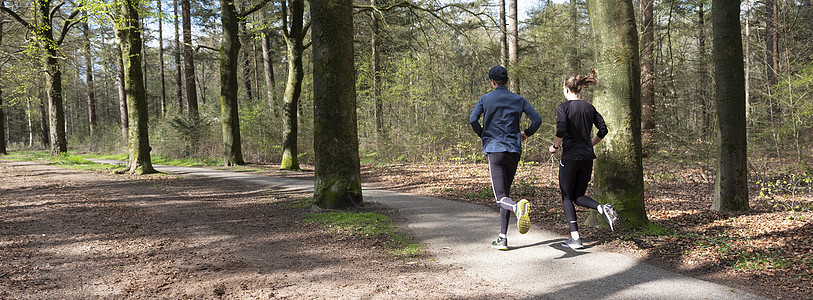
(293,88)
(161,58)
(747,43)
(246,59)
(647,70)
(731,184)
(771,40)
(44,124)
(178,69)
(705,102)
(379,106)
(139,142)
(125,119)
(337,169)
(503,35)
(574,47)
(513,45)
(2,107)
(91,91)
(270,81)
(229,52)
(619,168)
(189,65)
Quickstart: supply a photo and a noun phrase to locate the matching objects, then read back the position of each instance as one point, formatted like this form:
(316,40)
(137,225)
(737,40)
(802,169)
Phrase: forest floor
(88,234)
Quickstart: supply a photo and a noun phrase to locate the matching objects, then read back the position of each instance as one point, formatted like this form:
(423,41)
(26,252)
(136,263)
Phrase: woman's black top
(574,124)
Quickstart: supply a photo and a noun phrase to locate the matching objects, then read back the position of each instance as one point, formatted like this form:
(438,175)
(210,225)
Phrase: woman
(574,122)
(502,143)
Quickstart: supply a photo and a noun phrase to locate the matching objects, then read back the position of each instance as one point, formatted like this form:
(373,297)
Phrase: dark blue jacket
(501,110)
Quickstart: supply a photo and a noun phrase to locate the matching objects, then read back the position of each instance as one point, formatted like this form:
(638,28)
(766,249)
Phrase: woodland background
(433,58)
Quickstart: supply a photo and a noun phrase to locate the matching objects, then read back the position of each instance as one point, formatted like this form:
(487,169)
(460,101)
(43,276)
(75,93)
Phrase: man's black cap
(498,73)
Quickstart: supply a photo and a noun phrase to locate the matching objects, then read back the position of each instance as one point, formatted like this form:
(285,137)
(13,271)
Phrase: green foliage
(484,193)
(348,225)
(793,185)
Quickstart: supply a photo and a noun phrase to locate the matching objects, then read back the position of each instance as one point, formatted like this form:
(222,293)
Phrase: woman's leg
(567,184)
(582,179)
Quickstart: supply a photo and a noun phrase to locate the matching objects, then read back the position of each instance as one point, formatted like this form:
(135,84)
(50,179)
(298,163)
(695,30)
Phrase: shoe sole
(566,245)
(523,221)
(611,216)
(503,248)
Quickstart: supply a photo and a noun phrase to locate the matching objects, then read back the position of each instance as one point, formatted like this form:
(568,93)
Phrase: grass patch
(66,160)
(301,203)
(367,224)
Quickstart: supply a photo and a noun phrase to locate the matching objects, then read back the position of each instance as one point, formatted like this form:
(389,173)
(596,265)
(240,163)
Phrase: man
(501,111)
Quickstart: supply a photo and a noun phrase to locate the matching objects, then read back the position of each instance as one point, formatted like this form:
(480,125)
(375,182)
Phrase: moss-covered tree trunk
(53,77)
(230,118)
(731,185)
(294,37)
(139,139)
(619,170)
(338,179)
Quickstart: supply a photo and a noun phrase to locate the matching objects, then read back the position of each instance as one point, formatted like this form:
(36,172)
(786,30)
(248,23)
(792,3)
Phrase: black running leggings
(574,175)
(503,167)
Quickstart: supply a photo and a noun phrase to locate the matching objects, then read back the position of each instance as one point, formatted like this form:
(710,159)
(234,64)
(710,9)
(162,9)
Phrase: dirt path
(70,234)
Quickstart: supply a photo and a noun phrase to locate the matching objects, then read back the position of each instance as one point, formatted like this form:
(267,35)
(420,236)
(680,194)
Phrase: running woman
(574,122)
(502,143)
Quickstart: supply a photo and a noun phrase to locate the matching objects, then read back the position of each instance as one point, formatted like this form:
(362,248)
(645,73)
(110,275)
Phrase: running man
(501,111)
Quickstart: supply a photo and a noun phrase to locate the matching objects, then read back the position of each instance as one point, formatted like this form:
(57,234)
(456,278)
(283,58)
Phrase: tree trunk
(513,45)
(139,142)
(161,59)
(91,91)
(229,51)
(337,166)
(293,88)
(189,65)
(44,126)
(246,58)
(125,119)
(731,185)
(178,70)
(2,107)
(772,45)
(702,86)
(268,68)
(619,170)
(503,35)
(647,70)
(772,57)
(379,105)
(574,47)
(53,78)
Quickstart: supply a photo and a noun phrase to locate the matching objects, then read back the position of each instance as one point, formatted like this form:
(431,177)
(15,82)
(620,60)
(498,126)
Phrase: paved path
(459,234)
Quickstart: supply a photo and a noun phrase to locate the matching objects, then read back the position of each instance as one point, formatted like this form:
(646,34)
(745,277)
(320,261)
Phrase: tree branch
(68,24)
(55,10)
(253,9)
(17,17)
(198,47)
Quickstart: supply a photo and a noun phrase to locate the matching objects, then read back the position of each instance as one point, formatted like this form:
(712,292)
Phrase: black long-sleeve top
(574,124)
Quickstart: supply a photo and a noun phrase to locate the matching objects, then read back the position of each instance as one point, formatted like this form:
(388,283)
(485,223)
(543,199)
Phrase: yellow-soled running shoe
(523,221)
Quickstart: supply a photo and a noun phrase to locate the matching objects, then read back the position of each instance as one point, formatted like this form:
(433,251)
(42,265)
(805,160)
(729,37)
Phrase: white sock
(600,209)
(502,235)
(574,235)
